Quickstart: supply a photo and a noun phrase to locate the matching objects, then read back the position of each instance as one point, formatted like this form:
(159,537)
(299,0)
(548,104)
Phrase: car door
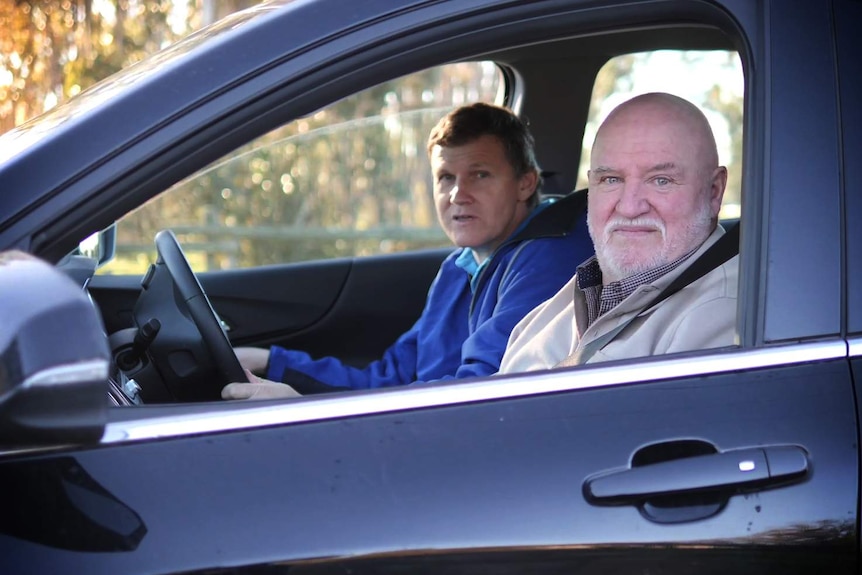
(432,480)
(740,460)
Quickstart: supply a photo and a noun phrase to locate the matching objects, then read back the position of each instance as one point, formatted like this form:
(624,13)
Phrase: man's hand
(258,388)
(253,359)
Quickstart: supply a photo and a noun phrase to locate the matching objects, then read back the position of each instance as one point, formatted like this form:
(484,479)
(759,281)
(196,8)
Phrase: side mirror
(54,357)
(101,246)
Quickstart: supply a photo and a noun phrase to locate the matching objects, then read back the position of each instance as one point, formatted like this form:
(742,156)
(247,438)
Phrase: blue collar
(466,260)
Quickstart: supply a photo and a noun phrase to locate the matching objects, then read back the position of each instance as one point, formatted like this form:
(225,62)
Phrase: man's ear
(527,185)
(716,188)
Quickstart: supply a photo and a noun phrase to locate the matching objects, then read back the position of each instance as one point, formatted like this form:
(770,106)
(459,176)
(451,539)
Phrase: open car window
(352,179)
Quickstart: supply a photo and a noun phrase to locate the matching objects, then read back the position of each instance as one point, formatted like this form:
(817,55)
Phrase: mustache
(648,223)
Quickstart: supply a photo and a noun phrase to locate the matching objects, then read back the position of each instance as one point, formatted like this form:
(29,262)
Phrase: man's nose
(458,194)
(633,200)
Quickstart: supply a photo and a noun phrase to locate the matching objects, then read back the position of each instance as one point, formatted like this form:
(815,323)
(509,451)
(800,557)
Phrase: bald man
(655,190)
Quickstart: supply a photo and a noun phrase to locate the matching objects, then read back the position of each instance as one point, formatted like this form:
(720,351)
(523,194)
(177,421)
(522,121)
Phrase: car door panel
(488,486)
(818,207)
(379,299)
(349,308)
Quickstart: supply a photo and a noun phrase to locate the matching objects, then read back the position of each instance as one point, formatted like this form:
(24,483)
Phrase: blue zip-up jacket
(463,329)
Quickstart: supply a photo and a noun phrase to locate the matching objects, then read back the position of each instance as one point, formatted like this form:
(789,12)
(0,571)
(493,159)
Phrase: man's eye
(482,175)
(610,180)
(445,178)
(662,181)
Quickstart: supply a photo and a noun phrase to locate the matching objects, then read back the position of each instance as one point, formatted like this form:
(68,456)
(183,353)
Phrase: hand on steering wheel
(192,358)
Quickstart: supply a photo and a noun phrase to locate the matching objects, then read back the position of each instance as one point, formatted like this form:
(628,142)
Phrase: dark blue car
(273,165)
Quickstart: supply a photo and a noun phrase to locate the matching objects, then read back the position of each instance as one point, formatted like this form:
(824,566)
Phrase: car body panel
(795,82)
(341,491)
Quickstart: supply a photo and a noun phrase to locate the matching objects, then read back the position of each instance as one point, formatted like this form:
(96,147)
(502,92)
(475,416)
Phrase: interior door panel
(348,308)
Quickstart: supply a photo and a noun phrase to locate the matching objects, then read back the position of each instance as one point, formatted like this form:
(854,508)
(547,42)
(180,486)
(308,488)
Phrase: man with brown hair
(514,252)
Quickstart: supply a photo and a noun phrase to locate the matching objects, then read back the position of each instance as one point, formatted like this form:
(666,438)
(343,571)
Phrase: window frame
(307,89)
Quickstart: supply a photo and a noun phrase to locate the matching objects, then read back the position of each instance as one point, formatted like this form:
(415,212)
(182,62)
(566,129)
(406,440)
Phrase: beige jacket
(700,316)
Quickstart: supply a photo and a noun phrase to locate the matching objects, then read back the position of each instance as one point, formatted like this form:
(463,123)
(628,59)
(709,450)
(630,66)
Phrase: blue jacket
(463,329)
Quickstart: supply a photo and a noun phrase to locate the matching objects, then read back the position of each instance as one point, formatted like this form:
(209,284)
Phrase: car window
(711,79)
(352,179)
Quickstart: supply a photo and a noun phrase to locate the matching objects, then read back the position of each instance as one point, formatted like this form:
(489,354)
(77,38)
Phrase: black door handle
(750,468)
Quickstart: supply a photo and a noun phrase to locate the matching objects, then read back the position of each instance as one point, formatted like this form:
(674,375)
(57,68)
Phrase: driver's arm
(253,359)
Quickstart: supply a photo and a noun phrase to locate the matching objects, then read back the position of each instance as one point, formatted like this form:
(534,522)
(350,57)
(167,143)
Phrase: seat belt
(726,247)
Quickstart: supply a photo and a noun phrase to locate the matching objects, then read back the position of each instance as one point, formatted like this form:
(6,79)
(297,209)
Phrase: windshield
(28,134)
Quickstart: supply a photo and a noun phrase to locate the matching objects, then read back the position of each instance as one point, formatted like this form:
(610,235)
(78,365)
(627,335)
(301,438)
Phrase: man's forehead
(644,140)
(667,166)
(475,152)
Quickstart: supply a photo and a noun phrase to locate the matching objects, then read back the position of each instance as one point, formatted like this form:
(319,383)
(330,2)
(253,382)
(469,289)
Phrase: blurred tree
(52,49)
(729,104)
(614,77)
(351,179)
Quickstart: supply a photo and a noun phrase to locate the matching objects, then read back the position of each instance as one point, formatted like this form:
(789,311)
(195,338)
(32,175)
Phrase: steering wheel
(191,353)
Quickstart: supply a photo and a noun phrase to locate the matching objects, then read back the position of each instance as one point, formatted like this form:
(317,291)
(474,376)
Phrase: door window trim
(250,415)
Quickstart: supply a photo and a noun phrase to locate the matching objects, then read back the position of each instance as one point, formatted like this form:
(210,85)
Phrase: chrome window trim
(254,415)
(854,347)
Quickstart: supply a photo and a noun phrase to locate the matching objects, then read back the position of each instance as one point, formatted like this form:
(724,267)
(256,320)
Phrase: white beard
(617,264)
